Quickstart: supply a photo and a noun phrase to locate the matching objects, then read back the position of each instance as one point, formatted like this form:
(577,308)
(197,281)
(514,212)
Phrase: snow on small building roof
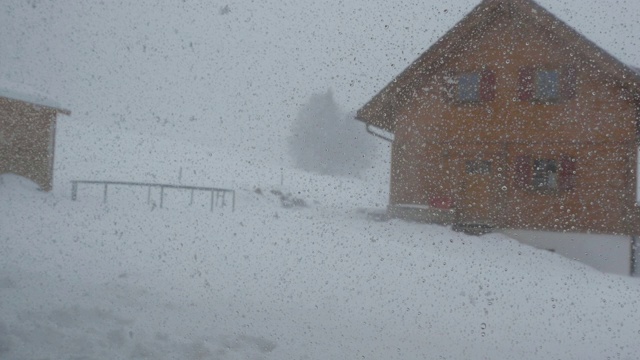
(32,98)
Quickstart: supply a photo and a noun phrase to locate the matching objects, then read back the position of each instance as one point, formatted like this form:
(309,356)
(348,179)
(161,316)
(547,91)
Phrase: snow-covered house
(514,120)
(27,136)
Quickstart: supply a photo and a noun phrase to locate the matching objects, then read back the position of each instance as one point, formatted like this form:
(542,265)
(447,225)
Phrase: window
(546,174)
(441,201)
(473,87)
(469,87)
(547,85)
(478,167)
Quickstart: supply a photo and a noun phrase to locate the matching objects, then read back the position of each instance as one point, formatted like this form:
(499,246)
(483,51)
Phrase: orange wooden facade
(27,140)
(553,148)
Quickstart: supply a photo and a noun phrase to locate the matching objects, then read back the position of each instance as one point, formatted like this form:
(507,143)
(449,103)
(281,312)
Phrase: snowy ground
(128,280)
(212,100)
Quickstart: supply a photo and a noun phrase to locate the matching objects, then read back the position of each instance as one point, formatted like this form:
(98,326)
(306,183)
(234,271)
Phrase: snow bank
(128,280)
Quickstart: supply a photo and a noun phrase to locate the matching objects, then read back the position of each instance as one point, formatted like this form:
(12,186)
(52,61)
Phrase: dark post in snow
(634,256)
(74,190)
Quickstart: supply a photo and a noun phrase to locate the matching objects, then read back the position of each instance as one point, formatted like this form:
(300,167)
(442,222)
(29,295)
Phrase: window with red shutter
(473,87)
(441,201)
(547,175)
(548,85)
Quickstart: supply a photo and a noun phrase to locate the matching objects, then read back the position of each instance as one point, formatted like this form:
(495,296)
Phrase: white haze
(187,69)
(205,93)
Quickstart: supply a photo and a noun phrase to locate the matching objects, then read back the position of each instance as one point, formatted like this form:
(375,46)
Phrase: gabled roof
(380,111)
(33,99)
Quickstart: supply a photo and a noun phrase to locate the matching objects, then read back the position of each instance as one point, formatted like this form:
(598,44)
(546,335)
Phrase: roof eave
(64,112)
(56,109)
(372,112)
(39,105)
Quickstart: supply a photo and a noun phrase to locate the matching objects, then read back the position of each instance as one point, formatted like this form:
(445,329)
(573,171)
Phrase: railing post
(212,200)
(104,200)
(161,196)
(74,190)
(233,201)
(191,203)
(149,194)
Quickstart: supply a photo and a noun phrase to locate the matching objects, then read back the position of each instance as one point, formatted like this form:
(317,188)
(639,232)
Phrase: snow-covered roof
(32,98)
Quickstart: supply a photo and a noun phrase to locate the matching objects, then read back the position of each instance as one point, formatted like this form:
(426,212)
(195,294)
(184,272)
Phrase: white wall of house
(607,253)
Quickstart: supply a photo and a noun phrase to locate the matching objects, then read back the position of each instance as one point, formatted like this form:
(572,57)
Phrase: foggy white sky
(185,68)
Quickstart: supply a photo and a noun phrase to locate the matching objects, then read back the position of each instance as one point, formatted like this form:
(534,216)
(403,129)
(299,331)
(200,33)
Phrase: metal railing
(217,194)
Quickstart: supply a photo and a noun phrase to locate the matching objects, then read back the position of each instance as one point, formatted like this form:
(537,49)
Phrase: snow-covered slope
(96,153)
(127,280)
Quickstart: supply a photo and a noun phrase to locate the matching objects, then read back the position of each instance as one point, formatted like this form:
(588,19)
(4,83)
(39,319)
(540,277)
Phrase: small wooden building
(513,120)
(27,136)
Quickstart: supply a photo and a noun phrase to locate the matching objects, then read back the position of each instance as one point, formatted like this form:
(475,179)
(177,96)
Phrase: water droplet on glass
(483,326)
